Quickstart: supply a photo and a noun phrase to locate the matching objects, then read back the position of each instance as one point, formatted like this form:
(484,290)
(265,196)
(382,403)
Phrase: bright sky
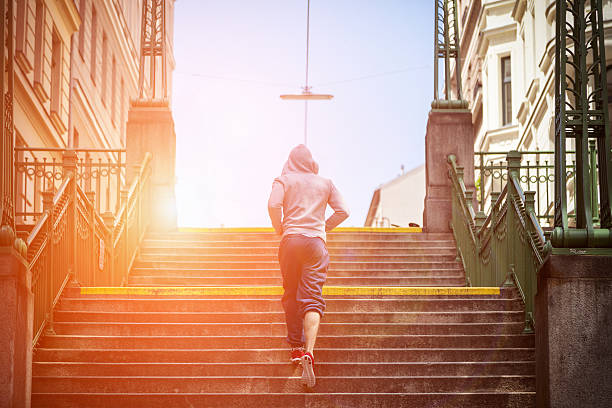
(235,57)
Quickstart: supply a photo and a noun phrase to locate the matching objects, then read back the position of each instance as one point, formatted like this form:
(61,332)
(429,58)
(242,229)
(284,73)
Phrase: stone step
(261,342)
(161,280)
(150,249)
(279,317)
(357,266)
(334,258)
(273,237)
(368,244)
(281,355)
(279,329)
(419,293)
(241,304)
(283,369)
(294,400)
(177,346)
(379,384)
(335,273)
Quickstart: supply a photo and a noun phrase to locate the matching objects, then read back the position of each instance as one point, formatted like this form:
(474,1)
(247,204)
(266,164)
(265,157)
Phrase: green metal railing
(508,246)
(537,173)
(581,120)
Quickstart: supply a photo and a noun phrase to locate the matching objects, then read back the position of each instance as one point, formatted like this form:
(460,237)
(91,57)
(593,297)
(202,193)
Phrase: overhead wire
(275,84)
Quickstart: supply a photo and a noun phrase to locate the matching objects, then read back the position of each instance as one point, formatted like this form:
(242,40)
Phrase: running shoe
(296,354)
(308,375)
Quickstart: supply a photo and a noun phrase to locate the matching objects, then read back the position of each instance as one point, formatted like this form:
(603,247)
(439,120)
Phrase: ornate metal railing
(72,241)
(49,252)
(537,173)
(506,247)
(101,171)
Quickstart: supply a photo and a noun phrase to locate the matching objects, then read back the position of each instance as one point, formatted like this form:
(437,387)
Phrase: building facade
(507,74)
(399,202)
(76,71)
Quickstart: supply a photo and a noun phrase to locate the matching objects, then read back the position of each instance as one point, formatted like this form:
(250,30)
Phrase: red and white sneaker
(308,375)
(296,354)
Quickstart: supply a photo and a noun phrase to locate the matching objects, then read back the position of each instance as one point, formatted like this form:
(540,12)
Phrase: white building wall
(401,200)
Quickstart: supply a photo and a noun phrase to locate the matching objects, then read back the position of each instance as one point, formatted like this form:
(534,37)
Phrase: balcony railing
(71,240)
(537,173)
(37,170)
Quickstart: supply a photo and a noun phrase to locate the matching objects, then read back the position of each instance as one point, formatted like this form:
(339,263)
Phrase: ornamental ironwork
(153,47)
(581,115)
(100,172)
(446,48)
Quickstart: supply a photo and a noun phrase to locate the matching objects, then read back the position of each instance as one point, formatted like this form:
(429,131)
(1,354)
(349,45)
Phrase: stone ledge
(578,267)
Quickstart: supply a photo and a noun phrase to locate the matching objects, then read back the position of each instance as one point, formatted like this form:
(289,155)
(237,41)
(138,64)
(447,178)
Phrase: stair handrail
(72,242)
(49,252)
(462,218)
(133,214)
(505,247)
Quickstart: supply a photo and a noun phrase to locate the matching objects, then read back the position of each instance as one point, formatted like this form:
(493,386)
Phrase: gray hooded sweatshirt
(300,196)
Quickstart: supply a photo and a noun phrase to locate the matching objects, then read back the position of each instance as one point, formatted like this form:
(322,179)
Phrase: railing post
(528,279)
(479,219)
(593,167)
(530,201)
(469,198)
(138,193)
(494,197)
(92,230)
(460,173)
(481,181)
(513,159)
(69,160)
(494,209)
(47,201)
(109,221)
(513,166)
(126,240)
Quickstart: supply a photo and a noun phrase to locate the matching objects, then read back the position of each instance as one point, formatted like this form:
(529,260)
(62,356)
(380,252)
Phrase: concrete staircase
(195,344)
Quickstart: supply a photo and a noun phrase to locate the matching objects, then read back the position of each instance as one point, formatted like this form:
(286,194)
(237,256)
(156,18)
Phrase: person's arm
(275,206)
(341,211)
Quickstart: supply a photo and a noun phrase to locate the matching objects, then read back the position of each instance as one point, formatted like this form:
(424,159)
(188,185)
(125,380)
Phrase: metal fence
(537,173)
(38,170)
(71,240)
(505,247)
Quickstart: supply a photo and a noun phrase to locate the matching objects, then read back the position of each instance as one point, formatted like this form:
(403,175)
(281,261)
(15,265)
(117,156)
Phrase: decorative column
(16,300)
(573,304)
(449,126)
(150,127)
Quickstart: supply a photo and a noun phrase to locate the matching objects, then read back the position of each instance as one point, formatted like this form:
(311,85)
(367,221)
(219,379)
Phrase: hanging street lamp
(306,94)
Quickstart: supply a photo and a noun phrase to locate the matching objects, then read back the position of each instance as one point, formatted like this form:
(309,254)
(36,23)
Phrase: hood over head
(300,161)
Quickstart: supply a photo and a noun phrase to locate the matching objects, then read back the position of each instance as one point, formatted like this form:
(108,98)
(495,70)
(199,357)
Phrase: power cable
(275,84)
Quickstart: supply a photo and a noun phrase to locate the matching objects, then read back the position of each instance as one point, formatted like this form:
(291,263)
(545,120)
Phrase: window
(122,113)
(506,85)
(20,36)
(114,91)
(94,36)
(82,9)
(104,80)
(56,73)
(39,46)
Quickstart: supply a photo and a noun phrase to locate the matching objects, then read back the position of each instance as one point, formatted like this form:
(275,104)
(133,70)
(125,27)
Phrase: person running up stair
(297,207)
